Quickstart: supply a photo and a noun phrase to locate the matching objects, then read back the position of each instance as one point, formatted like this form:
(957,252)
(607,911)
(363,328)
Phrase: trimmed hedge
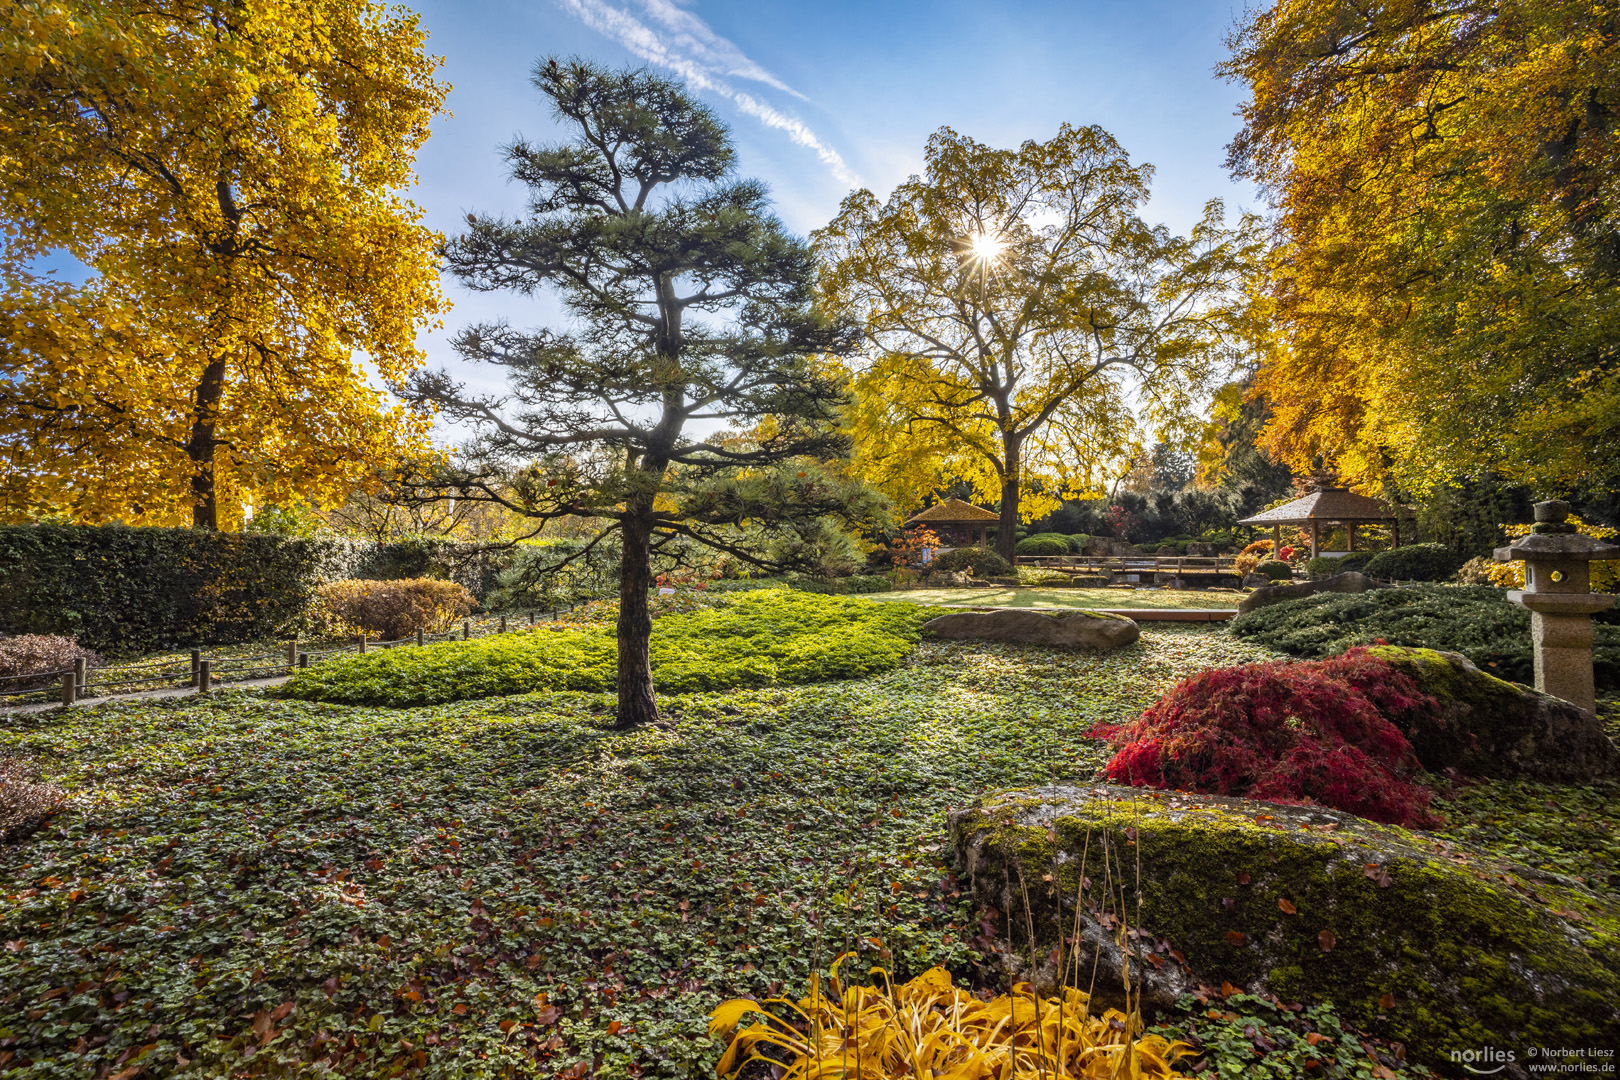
(981,562)
(1325,567)
(116,587)
(1274,569)
(1476,621)
(759,638)
(1043,544)
(1415,562)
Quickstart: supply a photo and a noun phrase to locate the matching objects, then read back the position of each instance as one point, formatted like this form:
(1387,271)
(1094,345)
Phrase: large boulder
(1074,629)
(1488,727)
(1348,582)
(1412,938)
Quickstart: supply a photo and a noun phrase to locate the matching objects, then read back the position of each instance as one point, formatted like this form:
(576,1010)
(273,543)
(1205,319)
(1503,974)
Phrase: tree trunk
(200,448)
(1007,527)
(637,704)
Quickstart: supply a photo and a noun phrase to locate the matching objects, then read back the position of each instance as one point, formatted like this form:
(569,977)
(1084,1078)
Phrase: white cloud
(687,46)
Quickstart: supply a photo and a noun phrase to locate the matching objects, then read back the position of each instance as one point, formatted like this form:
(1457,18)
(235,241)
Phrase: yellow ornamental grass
(931,1030)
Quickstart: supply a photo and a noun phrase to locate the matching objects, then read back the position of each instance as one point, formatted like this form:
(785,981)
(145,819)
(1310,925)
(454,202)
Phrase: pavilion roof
(1329,504)
(952,511)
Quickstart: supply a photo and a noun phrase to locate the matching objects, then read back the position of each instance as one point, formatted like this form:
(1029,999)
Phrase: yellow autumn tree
(230,173)
(1015,306)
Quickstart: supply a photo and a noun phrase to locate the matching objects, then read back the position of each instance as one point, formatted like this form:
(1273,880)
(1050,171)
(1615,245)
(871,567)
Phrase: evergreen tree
(686,403)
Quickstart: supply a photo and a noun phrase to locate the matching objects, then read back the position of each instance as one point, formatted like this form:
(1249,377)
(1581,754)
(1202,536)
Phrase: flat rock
(1349,582)
(1073,629)
(1412,938)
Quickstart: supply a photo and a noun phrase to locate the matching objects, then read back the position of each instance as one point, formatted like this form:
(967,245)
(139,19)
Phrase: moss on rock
(1305,903)
(1486,726)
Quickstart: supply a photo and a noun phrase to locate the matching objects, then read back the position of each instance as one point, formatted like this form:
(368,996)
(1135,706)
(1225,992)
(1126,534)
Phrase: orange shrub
(391,609)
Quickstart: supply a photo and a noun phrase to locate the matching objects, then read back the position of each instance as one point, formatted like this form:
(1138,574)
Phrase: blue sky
(823,97)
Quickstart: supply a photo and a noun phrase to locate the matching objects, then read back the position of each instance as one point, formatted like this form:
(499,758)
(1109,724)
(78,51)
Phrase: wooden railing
(1110,565)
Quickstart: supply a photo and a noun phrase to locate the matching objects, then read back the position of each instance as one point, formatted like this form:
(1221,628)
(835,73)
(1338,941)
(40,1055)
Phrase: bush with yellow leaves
(1605,572)
(928,1027)
(393,609)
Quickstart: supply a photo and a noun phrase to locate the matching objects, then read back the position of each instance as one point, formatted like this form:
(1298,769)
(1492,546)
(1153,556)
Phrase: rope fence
(203,673)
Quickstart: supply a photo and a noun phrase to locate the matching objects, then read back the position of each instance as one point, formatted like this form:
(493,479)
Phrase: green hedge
(138,589)
(1415,562)
(1274,569)
(755,639)
(1474,620)
(1325,567)
(980,562)
(1043,544)
(854,585)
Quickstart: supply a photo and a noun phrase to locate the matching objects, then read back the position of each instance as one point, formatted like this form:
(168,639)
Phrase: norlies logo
(1483,1062)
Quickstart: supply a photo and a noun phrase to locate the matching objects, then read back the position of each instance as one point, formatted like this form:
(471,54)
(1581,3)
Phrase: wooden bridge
(1186,571)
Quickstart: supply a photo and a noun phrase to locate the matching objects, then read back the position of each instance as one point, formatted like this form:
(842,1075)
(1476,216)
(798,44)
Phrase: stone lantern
(1557,590)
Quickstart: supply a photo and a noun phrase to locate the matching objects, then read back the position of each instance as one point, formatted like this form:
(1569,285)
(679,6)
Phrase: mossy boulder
(1073,629)
(1488,727)
(1412,938)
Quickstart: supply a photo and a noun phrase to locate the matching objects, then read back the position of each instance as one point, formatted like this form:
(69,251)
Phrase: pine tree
(686,404)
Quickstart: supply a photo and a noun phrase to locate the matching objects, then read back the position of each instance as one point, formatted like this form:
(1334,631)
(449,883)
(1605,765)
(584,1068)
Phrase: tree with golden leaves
(1446,268)
(1014,303)
(230,174)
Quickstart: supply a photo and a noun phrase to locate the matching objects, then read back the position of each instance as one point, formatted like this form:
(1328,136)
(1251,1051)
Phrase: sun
(986,247)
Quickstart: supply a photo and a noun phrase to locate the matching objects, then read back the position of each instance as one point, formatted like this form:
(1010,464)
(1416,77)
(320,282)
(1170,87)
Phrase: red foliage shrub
(1310,731)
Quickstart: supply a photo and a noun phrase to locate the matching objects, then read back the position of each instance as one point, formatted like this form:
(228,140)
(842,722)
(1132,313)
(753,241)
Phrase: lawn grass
(506,887)
(1066,598)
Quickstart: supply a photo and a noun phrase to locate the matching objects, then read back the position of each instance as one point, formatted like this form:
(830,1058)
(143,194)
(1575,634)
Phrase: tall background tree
(1014,303)
(230,175)
(1446,267)
(687,407)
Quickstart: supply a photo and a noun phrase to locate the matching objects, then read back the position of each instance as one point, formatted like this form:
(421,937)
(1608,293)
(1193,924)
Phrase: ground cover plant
(1316,731)
(1474,620)
(756,638)
(506,886)
(1059,596)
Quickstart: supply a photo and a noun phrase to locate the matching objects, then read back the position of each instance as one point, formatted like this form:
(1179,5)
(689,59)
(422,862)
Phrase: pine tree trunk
(201,446)
(637,704)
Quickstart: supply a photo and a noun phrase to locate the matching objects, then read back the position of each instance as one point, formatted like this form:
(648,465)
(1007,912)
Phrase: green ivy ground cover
(506,888)
(750,639)
(245,881)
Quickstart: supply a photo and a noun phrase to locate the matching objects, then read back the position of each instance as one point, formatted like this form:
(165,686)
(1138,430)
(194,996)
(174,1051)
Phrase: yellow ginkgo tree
(231,175)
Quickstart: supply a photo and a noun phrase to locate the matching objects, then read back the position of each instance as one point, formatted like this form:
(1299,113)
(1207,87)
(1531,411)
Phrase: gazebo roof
(1329,504)
(953,511)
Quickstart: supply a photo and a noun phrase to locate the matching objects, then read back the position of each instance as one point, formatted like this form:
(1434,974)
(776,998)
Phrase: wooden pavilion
(1329,506)
(955,522)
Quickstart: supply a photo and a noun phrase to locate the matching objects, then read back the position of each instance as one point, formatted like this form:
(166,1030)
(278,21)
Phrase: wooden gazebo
(955,522)
(1330,506)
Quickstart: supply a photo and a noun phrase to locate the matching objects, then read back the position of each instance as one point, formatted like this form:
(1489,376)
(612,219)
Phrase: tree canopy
(1446,272)
(1012,302)
(230,175)
(687,405)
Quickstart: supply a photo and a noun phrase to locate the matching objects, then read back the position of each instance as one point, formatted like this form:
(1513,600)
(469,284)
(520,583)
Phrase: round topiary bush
(1275,570)
(1414,562)
(1327,567)
(1043,544)
(1288,732)
(979,561)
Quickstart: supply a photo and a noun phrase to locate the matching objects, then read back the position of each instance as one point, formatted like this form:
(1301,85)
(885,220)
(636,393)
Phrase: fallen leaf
(1387,1001)
(1287,908)
(1227,989)
(1326,940)
(1237,937)
(613,1028)
(1244,878)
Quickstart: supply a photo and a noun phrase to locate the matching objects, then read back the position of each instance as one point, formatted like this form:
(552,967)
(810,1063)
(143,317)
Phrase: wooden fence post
(78,673)
(531,617)
(503,624)
(418,635)
(196,658)
(362,644)
(70,689)
(466,629)
(205,675)
(303,660)
(292,654)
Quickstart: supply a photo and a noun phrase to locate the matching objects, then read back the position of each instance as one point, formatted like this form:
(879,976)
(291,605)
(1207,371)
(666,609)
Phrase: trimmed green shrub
(981,562)
(1043,544)
(1275,570)
(1326,567)
(759,638)
(1415,562)
(1474,620)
